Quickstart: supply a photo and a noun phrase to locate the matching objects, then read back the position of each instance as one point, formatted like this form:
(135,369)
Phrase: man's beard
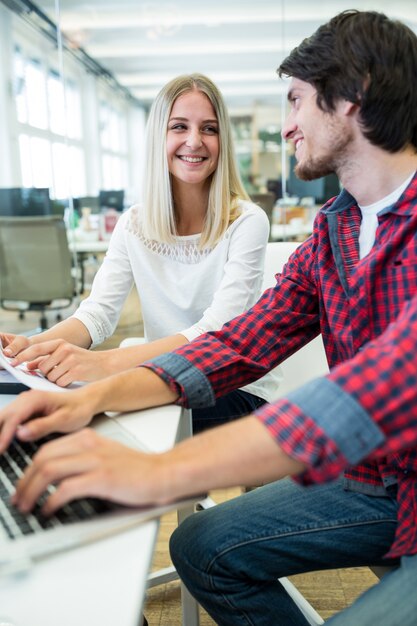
(331,163)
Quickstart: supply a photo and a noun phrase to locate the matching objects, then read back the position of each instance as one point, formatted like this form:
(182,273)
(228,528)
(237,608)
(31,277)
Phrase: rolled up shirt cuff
(322,427)
(192,386)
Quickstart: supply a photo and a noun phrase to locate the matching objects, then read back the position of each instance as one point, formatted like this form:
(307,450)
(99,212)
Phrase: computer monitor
(113,199)
(321,189)
(24,202)
(274,186)
(92,202)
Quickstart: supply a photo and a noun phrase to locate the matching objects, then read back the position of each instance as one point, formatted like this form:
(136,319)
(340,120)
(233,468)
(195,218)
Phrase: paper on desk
(6,377)
(33,379)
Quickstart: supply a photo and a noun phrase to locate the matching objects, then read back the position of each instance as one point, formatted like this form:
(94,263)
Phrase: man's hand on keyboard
(87,464)
(35,414)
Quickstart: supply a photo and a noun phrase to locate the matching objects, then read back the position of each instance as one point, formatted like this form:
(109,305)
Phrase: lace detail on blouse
(184,250)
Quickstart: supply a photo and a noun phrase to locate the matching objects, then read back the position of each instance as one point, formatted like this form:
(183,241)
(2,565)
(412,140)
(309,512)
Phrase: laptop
(25,539)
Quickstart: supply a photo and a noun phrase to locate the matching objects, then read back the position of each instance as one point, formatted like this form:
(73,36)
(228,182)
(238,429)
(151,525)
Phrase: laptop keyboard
(13,463)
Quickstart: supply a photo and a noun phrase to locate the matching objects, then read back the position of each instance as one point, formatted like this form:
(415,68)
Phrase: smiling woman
(192,139)
(192,153)
(194,250)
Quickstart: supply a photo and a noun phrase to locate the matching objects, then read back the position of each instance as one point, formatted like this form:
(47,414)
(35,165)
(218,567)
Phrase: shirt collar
(405,204)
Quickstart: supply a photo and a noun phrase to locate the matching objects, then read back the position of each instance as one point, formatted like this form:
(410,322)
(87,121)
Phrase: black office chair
(35,265)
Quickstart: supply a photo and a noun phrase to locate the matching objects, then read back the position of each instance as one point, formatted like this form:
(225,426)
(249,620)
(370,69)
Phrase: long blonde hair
(226,187)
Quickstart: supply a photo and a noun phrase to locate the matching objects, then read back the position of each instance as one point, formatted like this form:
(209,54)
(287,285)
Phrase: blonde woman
(194,250)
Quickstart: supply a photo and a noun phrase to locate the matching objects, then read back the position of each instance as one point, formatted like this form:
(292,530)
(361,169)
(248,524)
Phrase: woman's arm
(64,363)
(70,330)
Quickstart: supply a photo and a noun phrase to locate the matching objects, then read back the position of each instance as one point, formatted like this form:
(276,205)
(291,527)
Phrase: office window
(74,110)
(35,93)
(30,91)
(56,100)
(114,172)
(35,158)
(49,127)
(19,87)
(25,160)
(112,128)
(69,170)
(64,107)
(113,140)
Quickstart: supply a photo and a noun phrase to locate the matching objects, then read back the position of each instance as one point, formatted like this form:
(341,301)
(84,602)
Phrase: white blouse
(182,289)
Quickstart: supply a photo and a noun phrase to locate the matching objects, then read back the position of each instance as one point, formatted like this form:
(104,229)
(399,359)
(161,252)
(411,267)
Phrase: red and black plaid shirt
(365,409)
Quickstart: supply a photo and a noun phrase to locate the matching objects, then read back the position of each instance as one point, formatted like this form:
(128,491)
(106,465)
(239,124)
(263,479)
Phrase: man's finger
(16,413)
(41,474)
(80,486)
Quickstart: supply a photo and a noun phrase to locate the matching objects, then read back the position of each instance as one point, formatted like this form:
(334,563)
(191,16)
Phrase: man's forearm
(137,388)
(120,359)
(239,453)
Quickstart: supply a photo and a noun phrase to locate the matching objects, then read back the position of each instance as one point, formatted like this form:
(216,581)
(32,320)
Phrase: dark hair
(368,59)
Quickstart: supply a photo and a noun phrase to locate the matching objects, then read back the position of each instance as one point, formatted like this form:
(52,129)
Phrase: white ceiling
(238,43)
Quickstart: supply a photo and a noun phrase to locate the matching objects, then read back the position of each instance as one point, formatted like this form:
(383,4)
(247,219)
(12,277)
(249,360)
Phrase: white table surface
(281,232)
(86,247)
(101,584)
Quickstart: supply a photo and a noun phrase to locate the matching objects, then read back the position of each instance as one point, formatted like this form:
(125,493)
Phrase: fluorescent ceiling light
(146,79)
(273,89)
(147,17)
(192,49)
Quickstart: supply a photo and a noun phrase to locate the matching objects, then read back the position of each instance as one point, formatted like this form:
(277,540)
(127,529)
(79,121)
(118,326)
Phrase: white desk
(83,249)
(102,583)
(282,232)
(87,247)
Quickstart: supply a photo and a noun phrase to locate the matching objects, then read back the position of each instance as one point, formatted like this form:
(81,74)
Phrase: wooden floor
(328,592)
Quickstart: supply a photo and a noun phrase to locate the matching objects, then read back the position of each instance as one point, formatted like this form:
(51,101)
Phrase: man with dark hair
(353,97)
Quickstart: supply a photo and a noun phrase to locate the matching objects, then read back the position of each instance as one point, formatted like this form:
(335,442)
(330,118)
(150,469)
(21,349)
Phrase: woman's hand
(64,363)
(13,344)
(35,414)
(87,464)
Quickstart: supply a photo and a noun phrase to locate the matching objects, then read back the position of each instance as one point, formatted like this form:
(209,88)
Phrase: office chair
(36,265)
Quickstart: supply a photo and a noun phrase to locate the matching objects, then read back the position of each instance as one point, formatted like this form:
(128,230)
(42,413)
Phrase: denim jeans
(231,556)
(230,407)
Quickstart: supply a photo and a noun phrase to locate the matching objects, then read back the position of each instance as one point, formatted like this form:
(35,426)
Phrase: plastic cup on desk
(108,221)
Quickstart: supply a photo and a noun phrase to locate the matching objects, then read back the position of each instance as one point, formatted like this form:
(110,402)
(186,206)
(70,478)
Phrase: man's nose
(289,128)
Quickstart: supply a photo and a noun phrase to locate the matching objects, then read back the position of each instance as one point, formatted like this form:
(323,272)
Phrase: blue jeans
(230,407)
(231,556)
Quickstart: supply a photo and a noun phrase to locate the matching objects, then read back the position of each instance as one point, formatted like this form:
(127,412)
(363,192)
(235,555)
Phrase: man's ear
(349,108)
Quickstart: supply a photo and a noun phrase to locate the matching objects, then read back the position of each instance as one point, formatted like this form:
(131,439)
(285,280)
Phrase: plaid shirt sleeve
(327,423)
